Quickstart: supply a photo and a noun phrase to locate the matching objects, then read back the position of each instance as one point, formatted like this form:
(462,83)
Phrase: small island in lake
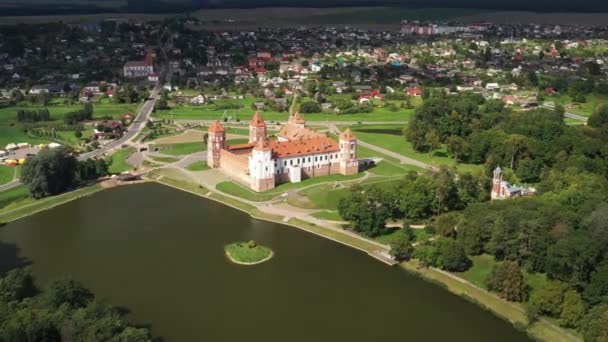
(247,253)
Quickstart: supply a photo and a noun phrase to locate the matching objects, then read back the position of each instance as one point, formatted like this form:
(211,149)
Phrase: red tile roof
(257,120)
(303,147)
(216,127)
(347,135)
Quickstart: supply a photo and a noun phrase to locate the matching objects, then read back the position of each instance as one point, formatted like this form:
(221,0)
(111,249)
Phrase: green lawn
(236,141)
(7,173)
(236,189)
(118,161)
(215,112)
(585,109)
(198,166)
(10,131)
(181,149)
(164,159)
(482,266)
(328,215)
(325,196)
(13,195)
(247,252)
(398,144)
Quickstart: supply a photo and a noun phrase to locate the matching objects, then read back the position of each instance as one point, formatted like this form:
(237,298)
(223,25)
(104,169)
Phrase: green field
(10,131)
(13,195)
(7,173)
(181,149)
(482,266)
(210,112)
(198,166)
(398,144)
(118,161)
(328,215)
(585,109)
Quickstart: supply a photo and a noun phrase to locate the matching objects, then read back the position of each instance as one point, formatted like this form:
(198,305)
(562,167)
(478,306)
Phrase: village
(439,135)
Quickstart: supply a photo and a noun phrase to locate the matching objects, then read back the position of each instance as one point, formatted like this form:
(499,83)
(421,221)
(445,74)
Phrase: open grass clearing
(163,160)
(241,191)
(328,215)
(7,173)
(118,161)
(198,166)
(180,149)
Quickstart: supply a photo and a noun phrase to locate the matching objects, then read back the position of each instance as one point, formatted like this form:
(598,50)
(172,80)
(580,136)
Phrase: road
(575,116)
(138,124)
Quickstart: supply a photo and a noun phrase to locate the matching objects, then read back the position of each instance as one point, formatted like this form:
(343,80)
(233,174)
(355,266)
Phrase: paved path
(575,117)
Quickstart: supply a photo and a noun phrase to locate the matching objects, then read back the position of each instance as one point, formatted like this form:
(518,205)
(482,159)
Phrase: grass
(215,112)
(11,196)
(118,161)
(328,215)
(240,191)
(482,266)
(198,166)
(335,235)
(10,131)
(398,144)
(247,252)
(22,205)
(163,160)
(7,173)
(593,100)
(236,141)
(394,234)
(181,149)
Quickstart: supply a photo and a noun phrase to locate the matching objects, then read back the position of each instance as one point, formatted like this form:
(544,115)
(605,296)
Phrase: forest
(560,233)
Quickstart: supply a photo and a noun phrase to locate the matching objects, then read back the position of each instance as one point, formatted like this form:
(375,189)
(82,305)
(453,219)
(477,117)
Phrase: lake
(159,252)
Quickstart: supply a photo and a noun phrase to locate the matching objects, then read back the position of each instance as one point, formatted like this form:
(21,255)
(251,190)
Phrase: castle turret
(296,119)
(215,143)
(497,184)
(257,128)
(349,165)
(261,167)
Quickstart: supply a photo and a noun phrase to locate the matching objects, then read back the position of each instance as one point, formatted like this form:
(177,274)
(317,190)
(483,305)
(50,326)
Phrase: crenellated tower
(349,165)
(257,128)
(215,143)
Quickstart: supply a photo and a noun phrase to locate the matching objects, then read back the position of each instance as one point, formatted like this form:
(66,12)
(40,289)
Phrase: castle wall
(234,166)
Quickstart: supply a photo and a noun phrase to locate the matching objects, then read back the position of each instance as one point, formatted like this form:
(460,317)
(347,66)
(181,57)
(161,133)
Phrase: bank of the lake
(157,251)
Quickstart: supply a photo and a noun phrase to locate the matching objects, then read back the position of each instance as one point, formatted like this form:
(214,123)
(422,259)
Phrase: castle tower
(497,184)
(349,165)
(149,59)
(261,167)
(257,128)
(215,143)
(296,119)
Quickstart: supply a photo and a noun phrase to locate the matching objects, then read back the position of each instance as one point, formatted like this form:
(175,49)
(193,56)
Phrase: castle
(298,153)
(503,190)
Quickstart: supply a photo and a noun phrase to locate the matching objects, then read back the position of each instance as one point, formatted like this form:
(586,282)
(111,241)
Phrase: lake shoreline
(540,330)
